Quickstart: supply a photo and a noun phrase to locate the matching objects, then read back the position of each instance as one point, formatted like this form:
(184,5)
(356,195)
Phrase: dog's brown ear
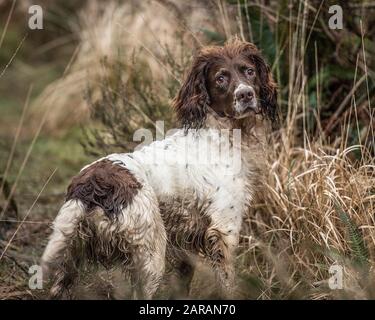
(193,99)
(268,88)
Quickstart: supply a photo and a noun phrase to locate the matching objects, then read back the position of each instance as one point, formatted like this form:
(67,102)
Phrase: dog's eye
(220,79)
(249,72)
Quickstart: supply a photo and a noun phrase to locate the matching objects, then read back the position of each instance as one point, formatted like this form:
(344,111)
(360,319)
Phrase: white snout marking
(242,85)
(238,107)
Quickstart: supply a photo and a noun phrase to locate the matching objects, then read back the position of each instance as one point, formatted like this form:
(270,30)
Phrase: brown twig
(332,122)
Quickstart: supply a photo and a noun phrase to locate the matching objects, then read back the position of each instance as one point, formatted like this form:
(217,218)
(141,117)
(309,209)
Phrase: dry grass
(317,210)
(111,33)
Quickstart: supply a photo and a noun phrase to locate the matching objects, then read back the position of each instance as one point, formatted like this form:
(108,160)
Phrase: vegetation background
(99,70)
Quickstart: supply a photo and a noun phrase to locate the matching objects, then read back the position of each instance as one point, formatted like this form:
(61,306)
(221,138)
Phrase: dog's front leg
(220,251)
(222,237)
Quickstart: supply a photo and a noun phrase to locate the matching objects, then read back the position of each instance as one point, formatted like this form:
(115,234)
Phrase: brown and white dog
(164,201)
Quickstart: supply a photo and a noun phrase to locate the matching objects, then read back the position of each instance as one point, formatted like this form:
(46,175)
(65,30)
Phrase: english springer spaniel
(178,198)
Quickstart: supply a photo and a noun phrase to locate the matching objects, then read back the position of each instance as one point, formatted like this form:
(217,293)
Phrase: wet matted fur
(104,185)
(137,209)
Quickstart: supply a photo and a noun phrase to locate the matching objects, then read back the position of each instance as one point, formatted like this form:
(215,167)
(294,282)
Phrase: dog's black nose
(244,94)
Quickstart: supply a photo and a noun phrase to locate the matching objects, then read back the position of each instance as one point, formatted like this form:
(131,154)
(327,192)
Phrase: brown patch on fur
(190,231)
(105,185)
(186,225)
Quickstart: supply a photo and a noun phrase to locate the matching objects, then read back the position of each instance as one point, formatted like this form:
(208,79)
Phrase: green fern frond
(356,241)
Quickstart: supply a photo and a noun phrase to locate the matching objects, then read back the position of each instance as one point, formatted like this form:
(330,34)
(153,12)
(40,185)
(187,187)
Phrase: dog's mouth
(240,112)
(246,110)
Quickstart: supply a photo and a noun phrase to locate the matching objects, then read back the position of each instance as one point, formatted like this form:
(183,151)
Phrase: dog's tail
(62,238)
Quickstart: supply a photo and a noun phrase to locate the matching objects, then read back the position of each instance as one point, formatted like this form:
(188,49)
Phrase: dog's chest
(199,164)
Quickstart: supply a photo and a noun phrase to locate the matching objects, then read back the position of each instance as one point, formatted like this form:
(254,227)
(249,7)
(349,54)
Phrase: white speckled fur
(165,166)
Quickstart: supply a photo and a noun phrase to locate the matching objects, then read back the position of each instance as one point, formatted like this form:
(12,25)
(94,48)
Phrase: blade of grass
(7,23)
(27,214)
(18,131)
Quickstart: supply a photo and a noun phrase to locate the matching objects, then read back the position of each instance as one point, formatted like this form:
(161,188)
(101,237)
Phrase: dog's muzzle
(245,100)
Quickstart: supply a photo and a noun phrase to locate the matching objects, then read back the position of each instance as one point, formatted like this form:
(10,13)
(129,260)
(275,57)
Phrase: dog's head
(232,81)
